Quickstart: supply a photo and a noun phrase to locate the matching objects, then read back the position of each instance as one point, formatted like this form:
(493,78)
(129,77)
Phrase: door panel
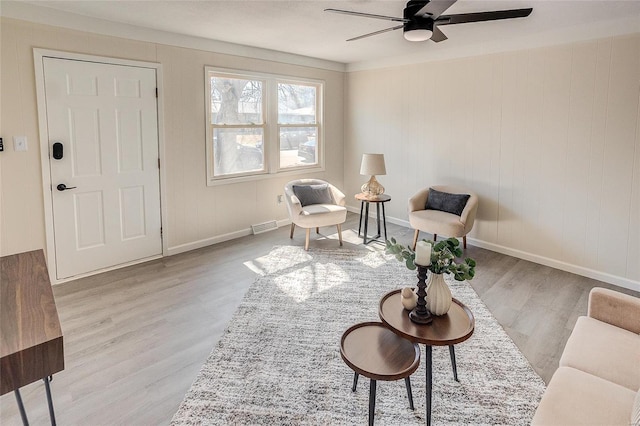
(106,117)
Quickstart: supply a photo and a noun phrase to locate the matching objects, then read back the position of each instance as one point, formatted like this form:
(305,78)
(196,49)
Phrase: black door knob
(63,187)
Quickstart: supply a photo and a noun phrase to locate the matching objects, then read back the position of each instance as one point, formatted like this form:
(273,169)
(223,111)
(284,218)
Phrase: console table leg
(23,414)
(429,381)
(452,353)
(52,415)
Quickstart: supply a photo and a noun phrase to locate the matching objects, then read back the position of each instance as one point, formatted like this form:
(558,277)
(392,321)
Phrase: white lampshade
(373,164)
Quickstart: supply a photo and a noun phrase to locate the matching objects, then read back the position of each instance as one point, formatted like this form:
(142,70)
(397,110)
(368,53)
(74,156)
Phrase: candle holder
(420,314)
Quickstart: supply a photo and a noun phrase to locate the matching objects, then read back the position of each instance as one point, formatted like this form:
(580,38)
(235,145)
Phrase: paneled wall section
(548,138)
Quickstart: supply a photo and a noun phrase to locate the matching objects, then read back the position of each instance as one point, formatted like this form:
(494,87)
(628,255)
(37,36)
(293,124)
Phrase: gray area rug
(278,362)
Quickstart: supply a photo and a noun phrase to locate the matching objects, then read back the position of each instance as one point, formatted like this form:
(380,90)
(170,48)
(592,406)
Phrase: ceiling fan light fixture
(420,29)
(418,35)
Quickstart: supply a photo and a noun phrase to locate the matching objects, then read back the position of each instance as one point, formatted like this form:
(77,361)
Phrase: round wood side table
(376,352)
(449,329)
(378,200)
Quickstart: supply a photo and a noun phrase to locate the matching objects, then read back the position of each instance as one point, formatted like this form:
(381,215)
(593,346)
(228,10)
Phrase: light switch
(19,143)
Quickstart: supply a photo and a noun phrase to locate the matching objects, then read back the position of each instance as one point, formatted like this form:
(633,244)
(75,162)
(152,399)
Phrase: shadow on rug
(279,361)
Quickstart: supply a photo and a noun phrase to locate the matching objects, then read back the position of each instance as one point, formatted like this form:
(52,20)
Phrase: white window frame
(317,125)
(271,127)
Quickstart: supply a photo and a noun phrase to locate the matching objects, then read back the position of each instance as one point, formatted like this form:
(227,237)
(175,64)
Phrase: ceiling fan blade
(435,8)
(367,15)
(483,16)
(397,27)
(438,35)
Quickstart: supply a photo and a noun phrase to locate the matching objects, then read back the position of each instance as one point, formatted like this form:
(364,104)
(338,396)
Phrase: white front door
(103,118)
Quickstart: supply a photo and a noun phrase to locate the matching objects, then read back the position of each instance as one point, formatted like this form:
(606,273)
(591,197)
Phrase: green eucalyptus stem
(443,255)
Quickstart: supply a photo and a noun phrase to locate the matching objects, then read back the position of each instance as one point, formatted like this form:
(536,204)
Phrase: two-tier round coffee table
(454,327)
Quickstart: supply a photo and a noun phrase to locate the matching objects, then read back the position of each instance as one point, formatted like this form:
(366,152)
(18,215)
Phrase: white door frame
(38,56)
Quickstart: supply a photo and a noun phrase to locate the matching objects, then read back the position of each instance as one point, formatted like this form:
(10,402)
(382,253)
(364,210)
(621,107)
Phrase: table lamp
(372,164)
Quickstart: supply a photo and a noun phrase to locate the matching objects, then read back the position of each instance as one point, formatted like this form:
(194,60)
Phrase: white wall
(197,214)
(549,139)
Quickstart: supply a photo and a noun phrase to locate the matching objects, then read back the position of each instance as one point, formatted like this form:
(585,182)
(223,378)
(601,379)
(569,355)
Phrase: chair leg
(464,241)
(339,233)
(317,230)
(415,238)
(306,240)
(407,381)
(293,226)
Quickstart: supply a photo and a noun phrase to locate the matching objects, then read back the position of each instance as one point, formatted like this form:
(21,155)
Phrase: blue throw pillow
(445,202)
(313,194)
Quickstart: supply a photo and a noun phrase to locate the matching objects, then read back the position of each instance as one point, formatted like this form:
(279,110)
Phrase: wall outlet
(19,143)
(279,199)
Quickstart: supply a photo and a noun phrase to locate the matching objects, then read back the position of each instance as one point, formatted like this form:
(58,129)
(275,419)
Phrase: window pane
(237,150)
(298,146)
(236,101)
(296,104)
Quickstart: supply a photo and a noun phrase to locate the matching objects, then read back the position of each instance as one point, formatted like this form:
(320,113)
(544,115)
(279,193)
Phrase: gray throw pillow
(445,202)
(313,194)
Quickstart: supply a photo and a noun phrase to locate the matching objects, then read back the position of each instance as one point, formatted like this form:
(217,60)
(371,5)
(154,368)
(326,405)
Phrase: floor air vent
(264,227)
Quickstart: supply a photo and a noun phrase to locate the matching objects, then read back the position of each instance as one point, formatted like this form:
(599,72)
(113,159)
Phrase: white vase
(438,295)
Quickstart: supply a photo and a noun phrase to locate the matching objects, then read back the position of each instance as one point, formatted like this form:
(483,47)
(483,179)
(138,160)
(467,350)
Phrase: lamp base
(372,188)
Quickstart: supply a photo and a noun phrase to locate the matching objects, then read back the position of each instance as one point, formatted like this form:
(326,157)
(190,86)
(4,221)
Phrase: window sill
(263,176)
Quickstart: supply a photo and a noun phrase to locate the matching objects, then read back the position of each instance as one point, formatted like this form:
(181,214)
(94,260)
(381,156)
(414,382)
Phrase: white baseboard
(181,248)
(563,266)
(553,263)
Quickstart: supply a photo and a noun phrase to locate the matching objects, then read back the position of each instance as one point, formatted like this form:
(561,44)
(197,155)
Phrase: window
(297,124)
(237,125)
(261,124)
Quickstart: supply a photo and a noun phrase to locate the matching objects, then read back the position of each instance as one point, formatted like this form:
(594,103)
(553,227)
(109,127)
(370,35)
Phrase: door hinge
(156,92)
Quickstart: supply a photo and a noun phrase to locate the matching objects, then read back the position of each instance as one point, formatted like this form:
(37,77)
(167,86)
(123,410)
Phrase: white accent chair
(438,222)
(315,215)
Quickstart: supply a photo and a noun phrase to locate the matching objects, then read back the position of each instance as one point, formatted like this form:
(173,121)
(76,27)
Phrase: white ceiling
(303,28)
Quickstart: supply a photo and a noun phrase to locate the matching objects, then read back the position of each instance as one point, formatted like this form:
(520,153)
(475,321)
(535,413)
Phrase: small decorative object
(372,164)
(408,298)
(437,259)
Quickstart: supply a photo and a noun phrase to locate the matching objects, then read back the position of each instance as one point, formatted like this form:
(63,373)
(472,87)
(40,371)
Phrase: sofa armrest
(615,308)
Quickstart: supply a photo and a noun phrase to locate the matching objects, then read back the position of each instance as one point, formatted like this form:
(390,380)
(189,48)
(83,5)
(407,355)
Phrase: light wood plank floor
(135,338)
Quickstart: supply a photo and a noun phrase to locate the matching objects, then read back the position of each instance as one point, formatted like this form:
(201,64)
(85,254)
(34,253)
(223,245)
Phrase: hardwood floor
(135,338)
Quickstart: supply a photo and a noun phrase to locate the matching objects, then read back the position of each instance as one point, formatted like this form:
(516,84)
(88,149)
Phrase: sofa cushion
(446,202)
(313,194)
(605,351)
(574,397)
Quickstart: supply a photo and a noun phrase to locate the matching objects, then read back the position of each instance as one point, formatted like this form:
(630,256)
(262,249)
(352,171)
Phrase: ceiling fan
(423,17)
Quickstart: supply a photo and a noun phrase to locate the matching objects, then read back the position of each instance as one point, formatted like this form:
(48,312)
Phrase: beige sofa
(598,380)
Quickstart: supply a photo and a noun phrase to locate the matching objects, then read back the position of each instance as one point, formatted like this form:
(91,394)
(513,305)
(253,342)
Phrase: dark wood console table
(30,335)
